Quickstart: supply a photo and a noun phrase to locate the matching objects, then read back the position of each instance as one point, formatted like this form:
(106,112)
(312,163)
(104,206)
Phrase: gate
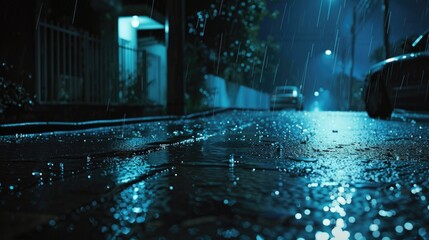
(74,67)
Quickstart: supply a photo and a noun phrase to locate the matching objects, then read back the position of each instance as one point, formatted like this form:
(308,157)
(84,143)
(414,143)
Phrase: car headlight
(295,93)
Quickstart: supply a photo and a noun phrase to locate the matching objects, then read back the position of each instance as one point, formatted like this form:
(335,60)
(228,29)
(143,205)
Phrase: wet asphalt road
(236,175)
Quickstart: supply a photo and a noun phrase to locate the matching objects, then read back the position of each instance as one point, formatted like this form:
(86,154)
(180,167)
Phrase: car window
(284,90)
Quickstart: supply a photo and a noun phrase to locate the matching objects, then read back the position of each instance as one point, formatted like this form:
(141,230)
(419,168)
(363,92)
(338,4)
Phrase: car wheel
(377,102)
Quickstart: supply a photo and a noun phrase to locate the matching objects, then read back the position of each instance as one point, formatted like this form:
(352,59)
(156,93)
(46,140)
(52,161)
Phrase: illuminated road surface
(237,175)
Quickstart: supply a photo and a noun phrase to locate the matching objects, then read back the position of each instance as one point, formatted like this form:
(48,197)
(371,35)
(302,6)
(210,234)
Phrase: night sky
(306,28)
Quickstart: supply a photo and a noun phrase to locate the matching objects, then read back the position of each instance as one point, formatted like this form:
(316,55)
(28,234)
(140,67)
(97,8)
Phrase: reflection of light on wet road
(334,215)
(250,175)
(335,176)
(132,206)
(326,127)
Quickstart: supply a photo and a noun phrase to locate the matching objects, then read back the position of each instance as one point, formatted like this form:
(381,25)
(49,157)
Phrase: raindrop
(52,222)
(259,237)
(340,223)
(358,235)
(409,226)
(231,160)
(137,210)
(308,228)
(399,229)
(422,232)
(322,235)
(74,11)
(37,173)
(125,230)
(326,222)
(384,213)
(416,189)
(373,227)
(341,200)
(151,11)
(376,234)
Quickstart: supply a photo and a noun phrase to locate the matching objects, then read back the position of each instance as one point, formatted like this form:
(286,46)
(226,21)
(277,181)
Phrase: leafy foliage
(402,46)
(223,39)
(13,97)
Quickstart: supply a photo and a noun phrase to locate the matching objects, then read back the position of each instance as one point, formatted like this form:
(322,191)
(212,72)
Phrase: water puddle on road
(246,183)
(261,196)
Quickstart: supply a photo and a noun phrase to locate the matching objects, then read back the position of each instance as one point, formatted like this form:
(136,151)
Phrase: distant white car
(286,97)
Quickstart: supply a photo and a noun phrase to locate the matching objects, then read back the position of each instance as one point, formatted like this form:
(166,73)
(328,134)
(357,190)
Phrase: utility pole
(353,32)
(386,28)
(175,37)
(361,11)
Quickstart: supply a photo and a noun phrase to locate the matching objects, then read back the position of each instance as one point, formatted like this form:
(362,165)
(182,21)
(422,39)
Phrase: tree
(223,39)
(14,99)
(397,48)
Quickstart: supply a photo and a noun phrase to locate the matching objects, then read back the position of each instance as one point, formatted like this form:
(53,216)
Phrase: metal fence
(74,67)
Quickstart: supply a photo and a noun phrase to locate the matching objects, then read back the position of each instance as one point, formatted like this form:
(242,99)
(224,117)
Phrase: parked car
(399,82)
(286,97)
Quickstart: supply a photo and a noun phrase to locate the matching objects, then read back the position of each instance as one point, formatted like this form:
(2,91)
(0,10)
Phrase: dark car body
(399,82)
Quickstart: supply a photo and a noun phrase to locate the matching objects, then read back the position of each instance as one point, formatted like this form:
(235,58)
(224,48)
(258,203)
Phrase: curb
(40,127)
(410,116)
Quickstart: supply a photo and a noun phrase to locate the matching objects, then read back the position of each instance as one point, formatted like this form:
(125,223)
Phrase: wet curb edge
(40,127)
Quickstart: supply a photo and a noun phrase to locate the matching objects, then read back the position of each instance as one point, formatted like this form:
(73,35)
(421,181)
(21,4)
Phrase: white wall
(157,91)
(230,95)
(127,58)
(126,31)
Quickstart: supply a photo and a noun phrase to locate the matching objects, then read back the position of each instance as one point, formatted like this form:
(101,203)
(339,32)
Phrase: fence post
(84,66)
(144,87)
(38,66)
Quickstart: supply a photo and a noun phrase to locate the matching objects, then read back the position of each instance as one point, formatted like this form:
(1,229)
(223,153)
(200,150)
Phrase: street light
(135,22)
(328,52)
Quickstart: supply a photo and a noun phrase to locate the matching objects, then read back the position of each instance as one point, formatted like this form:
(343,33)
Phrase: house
(88,59)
